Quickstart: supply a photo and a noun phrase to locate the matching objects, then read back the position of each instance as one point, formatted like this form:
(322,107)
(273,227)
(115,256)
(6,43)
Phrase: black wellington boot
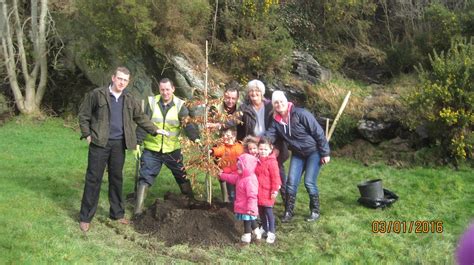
(314,208)
(283,196)
(187,190)
(289,207)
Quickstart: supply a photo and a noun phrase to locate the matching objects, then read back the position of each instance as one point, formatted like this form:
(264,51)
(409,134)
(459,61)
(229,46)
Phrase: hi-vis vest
(170,123)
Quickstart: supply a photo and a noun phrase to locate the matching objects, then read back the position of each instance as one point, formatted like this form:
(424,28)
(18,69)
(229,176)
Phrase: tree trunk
(27,90)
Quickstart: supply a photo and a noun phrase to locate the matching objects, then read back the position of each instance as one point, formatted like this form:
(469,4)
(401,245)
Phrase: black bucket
(371,189)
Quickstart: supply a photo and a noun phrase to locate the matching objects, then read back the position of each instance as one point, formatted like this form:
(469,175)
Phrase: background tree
(24,49)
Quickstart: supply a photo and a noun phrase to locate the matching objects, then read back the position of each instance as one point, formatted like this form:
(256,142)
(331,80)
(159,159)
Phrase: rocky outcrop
(305,71)
(306,68)
(382,117)
(186,77)
(376,131)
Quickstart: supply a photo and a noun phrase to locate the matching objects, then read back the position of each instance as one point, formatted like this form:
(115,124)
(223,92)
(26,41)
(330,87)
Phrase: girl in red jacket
(269,183)
(246,188)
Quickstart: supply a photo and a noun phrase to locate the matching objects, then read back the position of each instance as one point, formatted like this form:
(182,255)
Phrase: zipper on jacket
(164,122)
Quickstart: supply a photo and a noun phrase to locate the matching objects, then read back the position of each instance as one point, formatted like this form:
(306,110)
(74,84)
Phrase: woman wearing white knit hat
(310,149)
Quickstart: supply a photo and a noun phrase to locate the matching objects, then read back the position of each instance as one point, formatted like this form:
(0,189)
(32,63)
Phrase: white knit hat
(278,95)
(258,84)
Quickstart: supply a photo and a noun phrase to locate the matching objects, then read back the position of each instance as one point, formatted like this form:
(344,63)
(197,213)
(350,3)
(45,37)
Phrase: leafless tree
(24,49)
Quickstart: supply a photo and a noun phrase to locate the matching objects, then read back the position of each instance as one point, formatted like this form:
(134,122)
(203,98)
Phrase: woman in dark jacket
(309,147)
(256,114)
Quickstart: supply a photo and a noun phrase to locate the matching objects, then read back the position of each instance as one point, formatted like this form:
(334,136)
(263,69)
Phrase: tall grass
(42,167)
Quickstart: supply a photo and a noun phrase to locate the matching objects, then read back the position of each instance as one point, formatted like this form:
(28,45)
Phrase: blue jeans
(152,161)
(310,165)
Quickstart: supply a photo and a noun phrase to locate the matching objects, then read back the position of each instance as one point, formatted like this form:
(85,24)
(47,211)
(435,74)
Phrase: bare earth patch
(176,220)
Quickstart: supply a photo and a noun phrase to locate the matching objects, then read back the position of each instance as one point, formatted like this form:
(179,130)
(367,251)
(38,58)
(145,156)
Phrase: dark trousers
(151,163)
(283,177)
(113,155)
(249,226)
(267,218)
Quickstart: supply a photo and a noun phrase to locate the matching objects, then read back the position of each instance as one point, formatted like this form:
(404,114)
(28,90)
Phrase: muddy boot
(314,208)
(289,207)
(225,196)
(141,194)
(186,189)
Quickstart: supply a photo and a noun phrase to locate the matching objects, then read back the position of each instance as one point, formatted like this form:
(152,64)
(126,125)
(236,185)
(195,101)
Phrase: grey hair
(256,84)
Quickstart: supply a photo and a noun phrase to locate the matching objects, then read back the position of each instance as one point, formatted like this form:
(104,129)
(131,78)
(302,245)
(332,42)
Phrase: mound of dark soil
(177,220)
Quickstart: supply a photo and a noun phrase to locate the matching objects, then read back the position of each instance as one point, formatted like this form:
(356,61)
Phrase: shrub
(402,57)
(445,99)
(440,24)
(251,40)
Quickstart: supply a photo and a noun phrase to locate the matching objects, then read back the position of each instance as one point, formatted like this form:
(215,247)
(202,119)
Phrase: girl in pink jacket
(269,183)
(246,190)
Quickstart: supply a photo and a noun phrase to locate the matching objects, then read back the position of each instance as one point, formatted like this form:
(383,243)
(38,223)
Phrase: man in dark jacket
(106,118)
(309,147)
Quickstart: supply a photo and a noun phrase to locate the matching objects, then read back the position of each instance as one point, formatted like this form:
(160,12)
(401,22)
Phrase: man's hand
(162,132)
(214,125)
(200,145)
(89,139)
(137,152)
(325,160)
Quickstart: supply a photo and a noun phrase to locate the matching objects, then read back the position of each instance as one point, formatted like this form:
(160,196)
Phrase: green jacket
(94,118)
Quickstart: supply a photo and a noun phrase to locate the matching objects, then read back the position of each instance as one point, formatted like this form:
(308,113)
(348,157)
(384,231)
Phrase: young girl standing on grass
(246,190)
(269,183)
(250,144)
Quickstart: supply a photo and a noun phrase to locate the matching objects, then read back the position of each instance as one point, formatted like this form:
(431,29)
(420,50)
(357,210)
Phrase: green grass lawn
(42,166)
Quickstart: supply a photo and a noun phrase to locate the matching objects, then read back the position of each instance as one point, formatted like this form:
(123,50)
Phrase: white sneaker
(258,233)
(271,238)
(246,238)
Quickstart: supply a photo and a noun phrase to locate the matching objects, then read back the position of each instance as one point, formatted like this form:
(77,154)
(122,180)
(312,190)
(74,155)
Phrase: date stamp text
(407,227)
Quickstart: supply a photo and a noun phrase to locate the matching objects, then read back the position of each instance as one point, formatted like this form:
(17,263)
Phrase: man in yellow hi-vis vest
(167,112)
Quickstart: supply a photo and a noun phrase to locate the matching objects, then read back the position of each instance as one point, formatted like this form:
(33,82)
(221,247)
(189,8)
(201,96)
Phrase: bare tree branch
(19,40)
(43,59)
(9,56)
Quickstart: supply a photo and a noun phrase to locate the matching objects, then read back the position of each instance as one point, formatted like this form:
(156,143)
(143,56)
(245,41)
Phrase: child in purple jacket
(246,191)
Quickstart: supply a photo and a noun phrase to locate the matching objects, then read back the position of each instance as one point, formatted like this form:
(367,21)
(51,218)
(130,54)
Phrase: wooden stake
(341,109)
(327,127)
(206,130)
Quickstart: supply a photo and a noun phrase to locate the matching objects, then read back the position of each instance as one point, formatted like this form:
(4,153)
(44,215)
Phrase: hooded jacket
(303,133)
(246,186)
(269,180)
